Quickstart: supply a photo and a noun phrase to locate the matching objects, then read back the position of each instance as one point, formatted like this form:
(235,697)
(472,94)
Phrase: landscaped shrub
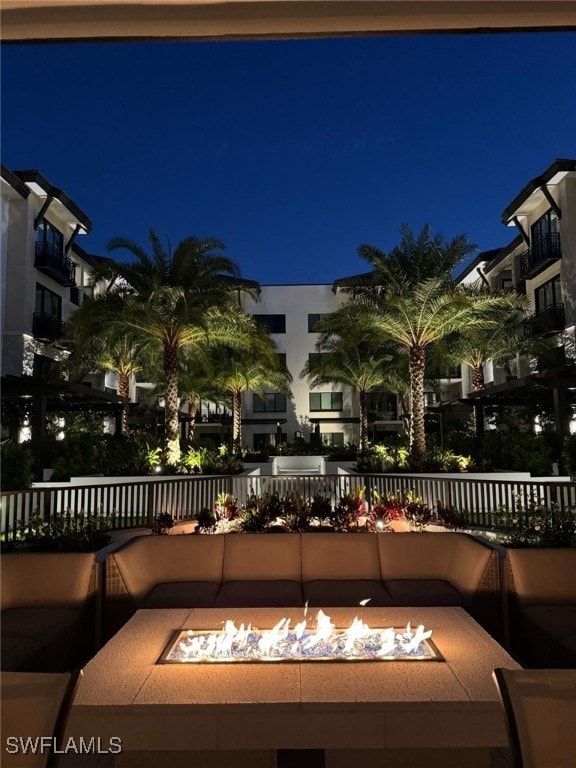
(208,461)
(297,512)
(534,524)
(66,532)
(385,509)
(443,460)
(114,455)
(351,506)
(320,508)
(17,463)
(162,524)
(452,518)
(260,512)
(396,458)
(512,451)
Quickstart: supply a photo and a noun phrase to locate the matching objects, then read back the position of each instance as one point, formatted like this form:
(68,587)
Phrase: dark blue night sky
(293,152)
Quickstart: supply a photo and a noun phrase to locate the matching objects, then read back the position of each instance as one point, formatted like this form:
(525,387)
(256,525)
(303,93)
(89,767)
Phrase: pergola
(39,398)
(555,391)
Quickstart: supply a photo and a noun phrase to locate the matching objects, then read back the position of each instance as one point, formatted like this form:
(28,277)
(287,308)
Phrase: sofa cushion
(544,576)
(336,592)
(266,557)
(43,622)
(455,558)
(19,653)
(45,578)
(556,620)
(39,639)
(547,635)
(340,556)
(146,561)
(260,594)
(182,594)
(433,592)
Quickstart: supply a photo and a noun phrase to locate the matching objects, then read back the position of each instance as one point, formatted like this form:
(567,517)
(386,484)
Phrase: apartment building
(45,274)
(329,413)
(539,262)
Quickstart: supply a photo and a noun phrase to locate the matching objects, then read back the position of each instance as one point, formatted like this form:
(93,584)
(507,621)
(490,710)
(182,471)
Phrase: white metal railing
(136,503)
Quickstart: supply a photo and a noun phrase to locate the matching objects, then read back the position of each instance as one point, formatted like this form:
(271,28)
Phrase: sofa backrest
(544,576)
(453,557)
(340,556)
(45,579)
(145,561)
(260,557)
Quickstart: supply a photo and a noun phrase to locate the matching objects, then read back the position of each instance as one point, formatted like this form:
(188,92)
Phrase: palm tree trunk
(477,384)
(172,436)
(363,408)
(477,378)
(192,408)
(417,362)
(237,419)
(123,390)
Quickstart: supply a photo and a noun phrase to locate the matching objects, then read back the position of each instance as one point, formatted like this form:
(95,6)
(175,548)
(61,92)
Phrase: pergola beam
(52,20)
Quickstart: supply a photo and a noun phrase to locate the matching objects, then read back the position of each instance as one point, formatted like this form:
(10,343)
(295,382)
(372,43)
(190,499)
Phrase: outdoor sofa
(48,610)
(542,597)
(289,570)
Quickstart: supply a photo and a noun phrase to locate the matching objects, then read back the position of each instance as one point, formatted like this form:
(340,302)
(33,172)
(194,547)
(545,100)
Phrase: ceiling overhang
(34,20)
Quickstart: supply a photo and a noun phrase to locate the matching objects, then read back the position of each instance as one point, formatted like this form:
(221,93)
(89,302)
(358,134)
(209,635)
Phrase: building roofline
(91,259)
(484,256)
(16,183)
(34,176)
(558,166)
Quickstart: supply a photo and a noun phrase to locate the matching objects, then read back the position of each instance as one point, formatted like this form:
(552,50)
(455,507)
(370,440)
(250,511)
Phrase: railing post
(150,503)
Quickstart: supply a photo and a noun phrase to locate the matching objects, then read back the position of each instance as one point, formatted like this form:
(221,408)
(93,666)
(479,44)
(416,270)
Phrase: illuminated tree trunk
(123,390)
(237,418)
(417,362)
(172,436)
(192,409)
(477,378)
(363,407)
(477,384)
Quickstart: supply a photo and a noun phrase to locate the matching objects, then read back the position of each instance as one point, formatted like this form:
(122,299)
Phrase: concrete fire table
(413,713)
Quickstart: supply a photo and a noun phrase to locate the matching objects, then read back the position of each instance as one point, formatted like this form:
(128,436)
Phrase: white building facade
(45,275)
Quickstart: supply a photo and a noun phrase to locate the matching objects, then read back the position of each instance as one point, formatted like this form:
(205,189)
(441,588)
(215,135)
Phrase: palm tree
(418,257)
(101,343)
(499,342)
(415,317)
(255,368)
(360,366)
(195,384)
(177,300)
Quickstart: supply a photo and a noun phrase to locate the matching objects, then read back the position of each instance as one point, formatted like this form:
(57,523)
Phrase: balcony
(53,263)
(47,327)
(551,319)
(544,252)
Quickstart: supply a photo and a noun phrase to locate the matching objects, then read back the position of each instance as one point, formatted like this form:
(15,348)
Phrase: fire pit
(283,643)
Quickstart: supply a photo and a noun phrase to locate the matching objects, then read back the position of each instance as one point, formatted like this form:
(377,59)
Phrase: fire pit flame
(323,642)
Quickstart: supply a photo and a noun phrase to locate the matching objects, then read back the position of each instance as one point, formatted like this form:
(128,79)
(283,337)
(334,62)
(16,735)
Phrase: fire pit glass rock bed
(282,643)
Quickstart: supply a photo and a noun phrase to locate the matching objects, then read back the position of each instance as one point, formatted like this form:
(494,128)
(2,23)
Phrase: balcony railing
(540,255)
(551,319)
(47,327)
(53,263)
